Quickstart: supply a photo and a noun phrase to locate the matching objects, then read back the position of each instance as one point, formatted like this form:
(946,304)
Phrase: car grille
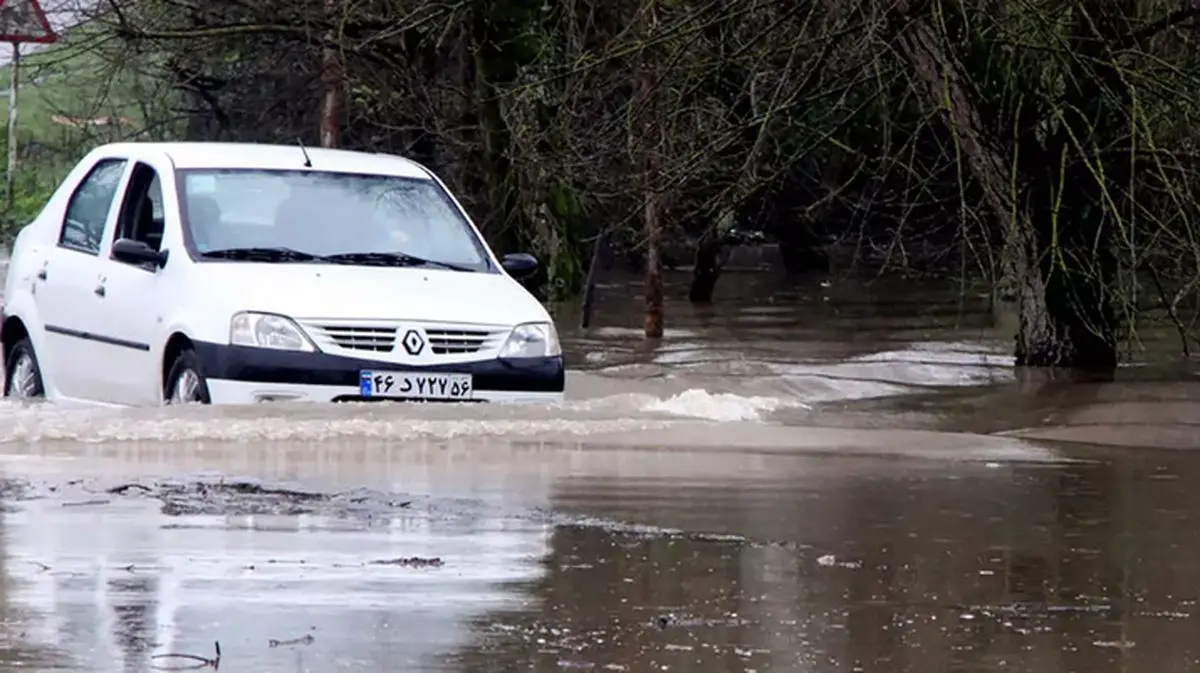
(378,339)
(381,337)
(458,342)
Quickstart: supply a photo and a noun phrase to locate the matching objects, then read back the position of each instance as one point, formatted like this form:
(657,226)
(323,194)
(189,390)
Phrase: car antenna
(307,161)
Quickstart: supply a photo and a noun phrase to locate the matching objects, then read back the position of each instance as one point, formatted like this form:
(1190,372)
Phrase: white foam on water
(899,371)
(719,385)
(597,403)
(744,395)
(942,352)
(281,429)
(622,412)
(281,422)
(644,397)
(221,424)
(818,388)
(697,403)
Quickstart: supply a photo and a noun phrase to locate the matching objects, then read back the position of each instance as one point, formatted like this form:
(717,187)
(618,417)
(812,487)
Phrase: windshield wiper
(390,259)
(263,255)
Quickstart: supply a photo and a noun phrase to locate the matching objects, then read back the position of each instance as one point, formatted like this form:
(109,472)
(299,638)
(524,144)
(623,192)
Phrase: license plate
(415,385)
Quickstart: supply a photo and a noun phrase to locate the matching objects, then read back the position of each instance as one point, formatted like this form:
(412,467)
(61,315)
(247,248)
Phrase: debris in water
(1166,614)
(1117,644)
(85,503)
(672,647)
(306,639)
(201,662)
(233,497)
(124,489)
(829,560)
(411,562)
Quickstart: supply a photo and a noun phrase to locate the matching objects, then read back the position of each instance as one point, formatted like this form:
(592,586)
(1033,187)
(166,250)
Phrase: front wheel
(185,382)
(22,374)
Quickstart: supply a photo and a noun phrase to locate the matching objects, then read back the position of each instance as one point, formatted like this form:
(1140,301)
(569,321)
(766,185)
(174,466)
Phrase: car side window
(87,211)
(141,216)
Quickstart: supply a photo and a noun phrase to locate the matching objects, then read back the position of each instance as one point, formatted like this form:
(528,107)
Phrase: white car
(237,273)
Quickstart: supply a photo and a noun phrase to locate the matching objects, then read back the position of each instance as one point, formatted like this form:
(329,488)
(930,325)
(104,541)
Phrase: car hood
(311,291)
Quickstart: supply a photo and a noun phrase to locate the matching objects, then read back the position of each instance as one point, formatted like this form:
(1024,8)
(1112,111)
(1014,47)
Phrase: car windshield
(337,217)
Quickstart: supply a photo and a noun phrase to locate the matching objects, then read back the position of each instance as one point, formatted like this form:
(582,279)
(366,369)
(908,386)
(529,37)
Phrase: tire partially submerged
(22,373)
(186,383)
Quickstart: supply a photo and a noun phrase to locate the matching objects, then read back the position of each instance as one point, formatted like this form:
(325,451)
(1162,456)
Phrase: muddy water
(840,478)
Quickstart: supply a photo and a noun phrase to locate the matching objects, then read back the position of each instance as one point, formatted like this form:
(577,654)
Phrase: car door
(65,287)
(135,296)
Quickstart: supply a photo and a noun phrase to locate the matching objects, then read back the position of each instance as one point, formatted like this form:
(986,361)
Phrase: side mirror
(137,252)
(519,263)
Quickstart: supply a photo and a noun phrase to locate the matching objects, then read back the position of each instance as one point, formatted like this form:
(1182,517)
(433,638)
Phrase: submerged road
(525,553)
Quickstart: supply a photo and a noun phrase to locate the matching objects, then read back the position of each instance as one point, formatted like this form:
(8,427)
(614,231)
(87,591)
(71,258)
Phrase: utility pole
(14,78)
(20,21)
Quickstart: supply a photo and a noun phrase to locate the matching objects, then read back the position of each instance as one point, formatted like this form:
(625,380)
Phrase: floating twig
(200,662)
(123,489)
(411,562)
(306,639)
(84,503)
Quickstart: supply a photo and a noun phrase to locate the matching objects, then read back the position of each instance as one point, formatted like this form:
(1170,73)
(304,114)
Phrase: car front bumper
(244,375)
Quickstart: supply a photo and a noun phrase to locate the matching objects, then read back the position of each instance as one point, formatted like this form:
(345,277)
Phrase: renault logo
(413,342)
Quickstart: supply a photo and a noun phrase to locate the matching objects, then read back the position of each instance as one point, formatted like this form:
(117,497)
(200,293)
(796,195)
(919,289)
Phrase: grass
(87,74)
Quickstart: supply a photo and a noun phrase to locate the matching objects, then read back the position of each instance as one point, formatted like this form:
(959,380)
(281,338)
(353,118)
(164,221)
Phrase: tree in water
(1055,166)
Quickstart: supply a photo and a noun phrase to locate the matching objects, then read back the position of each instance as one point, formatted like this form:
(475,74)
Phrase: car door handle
(100,291)
(41,274)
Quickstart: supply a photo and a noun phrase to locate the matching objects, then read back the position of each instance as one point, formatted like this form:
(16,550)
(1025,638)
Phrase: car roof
(187,155)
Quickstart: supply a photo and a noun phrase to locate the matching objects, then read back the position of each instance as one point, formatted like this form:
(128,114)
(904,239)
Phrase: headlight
(264,330)
(532,340)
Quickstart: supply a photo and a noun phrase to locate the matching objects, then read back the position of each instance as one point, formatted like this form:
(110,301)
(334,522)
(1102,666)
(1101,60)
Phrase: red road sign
(24,21)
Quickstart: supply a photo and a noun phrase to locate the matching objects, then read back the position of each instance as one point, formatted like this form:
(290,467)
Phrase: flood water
(847,478)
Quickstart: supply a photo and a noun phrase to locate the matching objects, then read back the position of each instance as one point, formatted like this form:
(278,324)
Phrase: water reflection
(20,644)
(134,605)
(106,587)
(1086,567)
(800,564)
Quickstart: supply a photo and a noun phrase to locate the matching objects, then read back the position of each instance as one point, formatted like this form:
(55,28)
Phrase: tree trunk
(492,68)
(1061,324)
(1073,235)
(651,139)
(1066,317)
(333,84)
(654,318)
(707,269)
(800,250)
